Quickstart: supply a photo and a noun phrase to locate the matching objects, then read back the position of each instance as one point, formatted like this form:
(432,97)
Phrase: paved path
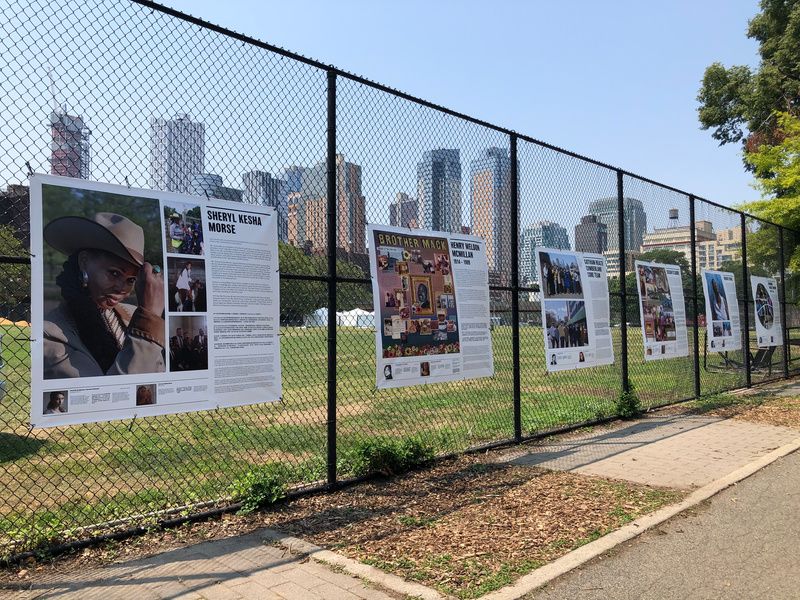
(742,544)
(231,569)
(681,452)
(673,451)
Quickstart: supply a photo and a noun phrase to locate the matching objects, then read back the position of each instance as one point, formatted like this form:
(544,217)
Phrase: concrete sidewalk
(247,567)
(686,452)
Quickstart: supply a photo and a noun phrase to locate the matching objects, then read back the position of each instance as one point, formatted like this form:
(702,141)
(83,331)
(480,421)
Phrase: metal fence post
(623,297)
(782,258)
(515,288)
(331,232)
(693,271)
(747,287)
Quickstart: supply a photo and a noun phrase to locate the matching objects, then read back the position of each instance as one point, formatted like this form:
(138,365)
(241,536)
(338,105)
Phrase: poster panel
(431,295)
(767,307)
(147,303)
(575,309)
(723,331)
(662,310)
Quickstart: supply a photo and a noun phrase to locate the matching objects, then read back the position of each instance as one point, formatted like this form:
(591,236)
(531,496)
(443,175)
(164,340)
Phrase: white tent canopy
(356,318)
(318,318)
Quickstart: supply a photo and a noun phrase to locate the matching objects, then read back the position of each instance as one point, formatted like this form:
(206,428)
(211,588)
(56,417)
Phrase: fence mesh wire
(111,74)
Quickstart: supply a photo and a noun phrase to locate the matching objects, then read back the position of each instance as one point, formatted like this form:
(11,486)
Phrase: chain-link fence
(88,85)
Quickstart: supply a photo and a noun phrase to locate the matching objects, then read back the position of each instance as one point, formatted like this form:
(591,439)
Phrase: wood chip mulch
(465,525)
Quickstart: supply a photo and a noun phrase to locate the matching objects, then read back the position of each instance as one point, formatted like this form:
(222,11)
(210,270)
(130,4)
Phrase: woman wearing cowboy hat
(92,332)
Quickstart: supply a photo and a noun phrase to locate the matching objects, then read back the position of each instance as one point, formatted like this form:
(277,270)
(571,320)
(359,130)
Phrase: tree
(16,289)
(738,102)
(301,297)
(776,167)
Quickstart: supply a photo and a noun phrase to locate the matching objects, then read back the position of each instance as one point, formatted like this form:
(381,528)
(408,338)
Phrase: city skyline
(178,149)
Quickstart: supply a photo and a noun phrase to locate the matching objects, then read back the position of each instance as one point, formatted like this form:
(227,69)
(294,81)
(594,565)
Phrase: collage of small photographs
(186,288)
(657,311)
(418,302)
(721,325)
(564,303)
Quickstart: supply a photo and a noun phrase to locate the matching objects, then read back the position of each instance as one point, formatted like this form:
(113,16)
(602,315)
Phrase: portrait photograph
(717,297)
(146,394)
(103,283)
(421,295)
(55,403)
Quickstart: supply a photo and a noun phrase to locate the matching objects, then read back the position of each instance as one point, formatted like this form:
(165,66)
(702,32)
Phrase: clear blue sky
(616,81)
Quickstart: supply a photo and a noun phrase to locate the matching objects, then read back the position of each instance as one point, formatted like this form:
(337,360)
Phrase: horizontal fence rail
(89,84)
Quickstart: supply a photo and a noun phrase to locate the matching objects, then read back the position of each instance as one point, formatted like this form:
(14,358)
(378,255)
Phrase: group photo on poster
(117,312)
(416,295)
(766,306)
(663,315)
(575,309)
(722,311)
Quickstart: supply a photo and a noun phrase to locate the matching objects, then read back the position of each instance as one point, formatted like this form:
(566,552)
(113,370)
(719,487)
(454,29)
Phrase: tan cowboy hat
(110,232)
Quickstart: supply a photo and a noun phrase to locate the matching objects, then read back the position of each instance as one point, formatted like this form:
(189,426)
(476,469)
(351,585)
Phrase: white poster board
(723,331)
(662,310)
(575,309)
(431,298)
(767,308)
(148,303)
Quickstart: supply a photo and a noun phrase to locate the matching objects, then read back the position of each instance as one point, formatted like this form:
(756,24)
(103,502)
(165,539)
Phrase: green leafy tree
(737,103)
(16,289)
(776,167)
(300,297)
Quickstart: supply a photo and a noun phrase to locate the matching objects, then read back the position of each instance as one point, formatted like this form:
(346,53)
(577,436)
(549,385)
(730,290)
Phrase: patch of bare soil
(466,525)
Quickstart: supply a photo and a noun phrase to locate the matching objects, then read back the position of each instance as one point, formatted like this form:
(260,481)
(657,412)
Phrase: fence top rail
(400,94)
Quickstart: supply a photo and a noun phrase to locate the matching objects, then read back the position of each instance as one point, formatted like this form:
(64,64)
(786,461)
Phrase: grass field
(57,480)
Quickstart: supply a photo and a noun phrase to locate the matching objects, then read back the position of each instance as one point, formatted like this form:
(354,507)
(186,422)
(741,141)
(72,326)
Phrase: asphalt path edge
(544,575)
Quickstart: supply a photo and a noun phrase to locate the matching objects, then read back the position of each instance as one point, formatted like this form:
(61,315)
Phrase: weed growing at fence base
(56,481)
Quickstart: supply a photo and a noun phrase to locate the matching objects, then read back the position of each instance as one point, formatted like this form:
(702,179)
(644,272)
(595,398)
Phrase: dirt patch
(465,526)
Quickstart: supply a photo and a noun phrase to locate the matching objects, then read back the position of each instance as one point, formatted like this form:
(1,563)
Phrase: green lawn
(60,479)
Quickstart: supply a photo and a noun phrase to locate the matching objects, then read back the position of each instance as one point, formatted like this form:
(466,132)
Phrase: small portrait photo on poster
(146,394)
(55,403)
(421,295)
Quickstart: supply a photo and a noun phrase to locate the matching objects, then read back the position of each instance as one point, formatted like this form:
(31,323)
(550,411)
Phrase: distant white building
(177,153)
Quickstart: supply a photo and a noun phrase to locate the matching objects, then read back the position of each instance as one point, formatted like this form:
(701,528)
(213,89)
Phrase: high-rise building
(403,211)
(177,153)
(260,187)
(678,237)
(307,209)
(591,235)
(727,247)
(210,185)
(635,221)
(439,190)
(69,146)
(490,205)
(544,234)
